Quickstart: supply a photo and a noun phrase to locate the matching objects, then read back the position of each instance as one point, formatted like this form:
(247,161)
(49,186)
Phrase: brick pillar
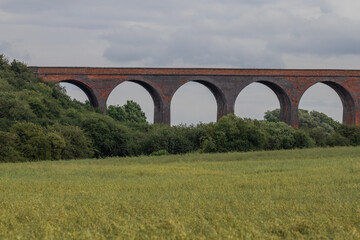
(225,104)
(162,111)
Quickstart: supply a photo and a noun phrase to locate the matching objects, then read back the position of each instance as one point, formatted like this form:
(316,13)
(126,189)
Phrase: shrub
(172,139)
(8,152)
(336,139)
(70,142)
(303,140)
(231,133)
(352,133)
(108,137)
(31,141)
(318,135)
(57,144)
(208,145)
(160,153)
(278,135)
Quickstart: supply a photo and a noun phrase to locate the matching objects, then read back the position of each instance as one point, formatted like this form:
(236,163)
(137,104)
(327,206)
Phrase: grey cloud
(188,48)
(327,36)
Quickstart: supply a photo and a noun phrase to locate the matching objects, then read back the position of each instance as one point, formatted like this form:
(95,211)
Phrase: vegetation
(130,112)
(323,130)
(293,194)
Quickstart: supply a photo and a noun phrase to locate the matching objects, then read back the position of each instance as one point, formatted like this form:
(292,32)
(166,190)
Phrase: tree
(31,141)
(8,153)
(307,120)
(130,112)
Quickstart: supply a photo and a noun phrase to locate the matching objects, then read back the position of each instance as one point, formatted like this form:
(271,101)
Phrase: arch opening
(79,91)
(139,92)
(258,97)
(194,102)
(331,99)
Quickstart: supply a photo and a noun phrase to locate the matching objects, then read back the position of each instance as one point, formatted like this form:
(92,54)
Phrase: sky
(199,33)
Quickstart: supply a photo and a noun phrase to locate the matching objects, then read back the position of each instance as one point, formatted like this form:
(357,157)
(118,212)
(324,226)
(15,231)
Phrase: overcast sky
(200,33)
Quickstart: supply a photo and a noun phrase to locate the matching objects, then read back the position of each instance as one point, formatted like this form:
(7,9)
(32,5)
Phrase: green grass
(297,194)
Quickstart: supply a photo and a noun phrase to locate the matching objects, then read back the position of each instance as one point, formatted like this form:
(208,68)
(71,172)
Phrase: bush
(336,139)
(208,145)
(31,141)
(231,133)
(8,152)
(160,153)
(318,135)
(69,142)
(130,112)
(352,133)
(303,140)
(163,137)
(57,144)
(278,135)
(108,137)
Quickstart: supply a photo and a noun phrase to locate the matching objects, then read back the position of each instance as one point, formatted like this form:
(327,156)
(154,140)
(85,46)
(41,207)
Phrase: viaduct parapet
(225,84)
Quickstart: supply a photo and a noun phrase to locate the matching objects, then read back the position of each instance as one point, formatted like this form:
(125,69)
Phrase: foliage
(71,142)
(318,126)
(130,112)
(108,136)
(8,153)
(162,137)
(28,110)
(351,133)
(233,134)
(160,153)
(307,120)
(31,141)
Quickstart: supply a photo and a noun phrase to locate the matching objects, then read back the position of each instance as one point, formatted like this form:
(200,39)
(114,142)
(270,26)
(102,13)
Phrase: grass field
(297,194)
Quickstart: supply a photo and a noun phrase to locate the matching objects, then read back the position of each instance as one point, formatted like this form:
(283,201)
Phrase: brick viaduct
(225,84)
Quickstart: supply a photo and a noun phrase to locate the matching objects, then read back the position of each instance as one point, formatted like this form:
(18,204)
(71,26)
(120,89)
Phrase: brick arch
(348,102)
(214,89)
(155,95)
(86,89)
(284,100)
(282,96)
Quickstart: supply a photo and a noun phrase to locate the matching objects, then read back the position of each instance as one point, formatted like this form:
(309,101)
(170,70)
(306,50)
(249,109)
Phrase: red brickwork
(289,86)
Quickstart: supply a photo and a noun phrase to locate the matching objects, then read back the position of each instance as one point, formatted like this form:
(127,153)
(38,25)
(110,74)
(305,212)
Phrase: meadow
(293,194)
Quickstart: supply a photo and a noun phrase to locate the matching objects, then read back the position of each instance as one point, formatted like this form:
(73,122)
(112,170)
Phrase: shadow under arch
(217,93)
(86,89)
(283,98)
(348,102)
(158,104)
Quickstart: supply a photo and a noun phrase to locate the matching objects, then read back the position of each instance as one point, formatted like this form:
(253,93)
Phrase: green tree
(69,142)
(8,153)
(130,112)
(307,120)
(109,137)
(31,141)
(350,132)
(162,137)
(231,133)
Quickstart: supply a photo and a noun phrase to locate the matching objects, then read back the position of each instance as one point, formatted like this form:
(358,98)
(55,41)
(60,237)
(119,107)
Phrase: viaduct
(225,84)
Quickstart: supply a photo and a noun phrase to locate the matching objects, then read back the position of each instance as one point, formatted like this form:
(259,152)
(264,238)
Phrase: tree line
(38,121)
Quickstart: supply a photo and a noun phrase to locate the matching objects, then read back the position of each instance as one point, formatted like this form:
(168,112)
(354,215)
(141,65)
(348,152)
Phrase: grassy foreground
(313,193)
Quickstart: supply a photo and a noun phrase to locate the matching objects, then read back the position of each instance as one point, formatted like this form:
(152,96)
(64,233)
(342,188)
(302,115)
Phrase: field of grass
(297,194)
